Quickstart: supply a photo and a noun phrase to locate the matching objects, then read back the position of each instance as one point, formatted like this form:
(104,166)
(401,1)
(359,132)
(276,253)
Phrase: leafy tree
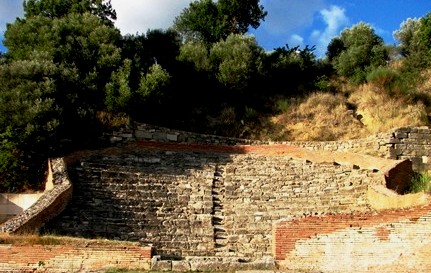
(83,48)
(414,38)
(240,15)
(211,21)
(155,47)
(59,8)
(237,60)
(28,120)
(153,84)
(197,54)
(407,36)
(118,91)
(67,60)
(359,51)
(291,71)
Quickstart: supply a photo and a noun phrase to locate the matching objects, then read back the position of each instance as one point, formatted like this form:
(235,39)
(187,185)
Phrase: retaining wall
(388,241)
(401,143)
(202,203)
(63,258)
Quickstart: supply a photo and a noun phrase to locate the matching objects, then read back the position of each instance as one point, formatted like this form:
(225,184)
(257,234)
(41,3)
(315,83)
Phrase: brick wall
(387,241)
(62,258)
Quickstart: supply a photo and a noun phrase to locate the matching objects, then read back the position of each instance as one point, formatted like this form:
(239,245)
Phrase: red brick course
(61,258)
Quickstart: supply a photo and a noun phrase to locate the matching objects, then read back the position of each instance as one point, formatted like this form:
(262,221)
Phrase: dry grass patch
(321,116)
(381,113)
(34,239)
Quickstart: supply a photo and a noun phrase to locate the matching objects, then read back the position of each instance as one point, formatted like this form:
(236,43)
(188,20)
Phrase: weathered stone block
(181,266)
(172,137)
(161,265)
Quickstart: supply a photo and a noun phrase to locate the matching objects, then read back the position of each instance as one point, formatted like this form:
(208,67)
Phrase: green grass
(420,182)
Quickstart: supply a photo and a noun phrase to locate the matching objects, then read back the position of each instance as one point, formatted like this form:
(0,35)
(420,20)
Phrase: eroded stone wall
(412,143)
(202,203)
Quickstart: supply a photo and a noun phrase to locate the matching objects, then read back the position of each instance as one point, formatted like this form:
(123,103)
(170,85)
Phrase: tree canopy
(211,21)
(357,51)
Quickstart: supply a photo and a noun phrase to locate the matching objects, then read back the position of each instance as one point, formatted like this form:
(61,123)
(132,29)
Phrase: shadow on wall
(14,204)
(8,209)
(160,197)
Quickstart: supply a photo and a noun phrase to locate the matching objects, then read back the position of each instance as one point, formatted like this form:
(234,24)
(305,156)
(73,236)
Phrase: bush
(420,182)
(386,80)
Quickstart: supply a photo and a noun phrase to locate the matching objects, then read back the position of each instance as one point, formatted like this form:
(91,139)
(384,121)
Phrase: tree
(211,21)
(67,61)
(360,51)
(59,8)
(29,120)
(291,71)
(237,60)
(407,36)
(414,38)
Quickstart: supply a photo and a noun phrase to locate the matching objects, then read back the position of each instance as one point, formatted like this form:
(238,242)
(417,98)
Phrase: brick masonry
(62,258)
(387,241)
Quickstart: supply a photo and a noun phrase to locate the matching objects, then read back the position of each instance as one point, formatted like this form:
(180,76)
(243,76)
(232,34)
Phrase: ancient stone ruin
(206,202)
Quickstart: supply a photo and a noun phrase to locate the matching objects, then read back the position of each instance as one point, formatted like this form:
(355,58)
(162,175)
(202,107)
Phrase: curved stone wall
(204,203)
(49,205)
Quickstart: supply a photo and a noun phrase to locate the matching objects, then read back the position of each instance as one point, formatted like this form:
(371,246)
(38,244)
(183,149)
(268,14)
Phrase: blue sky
(292,22)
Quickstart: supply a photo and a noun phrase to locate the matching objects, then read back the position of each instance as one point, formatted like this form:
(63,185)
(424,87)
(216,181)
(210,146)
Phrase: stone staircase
(218,190)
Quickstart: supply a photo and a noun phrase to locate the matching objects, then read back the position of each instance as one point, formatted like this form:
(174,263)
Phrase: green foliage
(210,22)
(197,54)
(292,69)
(387,80)
(29,120)
(153,84)
(283,105)
(420,182)
(359,50)
(59,8)
(407,36)
(53,84)
(237,60)
(118,91)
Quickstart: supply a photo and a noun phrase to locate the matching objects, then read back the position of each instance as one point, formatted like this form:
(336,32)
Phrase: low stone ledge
(49,205)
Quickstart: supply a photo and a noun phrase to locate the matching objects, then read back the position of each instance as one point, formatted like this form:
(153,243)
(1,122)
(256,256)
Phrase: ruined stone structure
(299,207)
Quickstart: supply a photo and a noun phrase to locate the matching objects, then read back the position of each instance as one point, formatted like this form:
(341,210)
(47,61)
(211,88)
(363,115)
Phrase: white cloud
(9,11)
(287,16)
(137,16)
(296,40)
(335,19)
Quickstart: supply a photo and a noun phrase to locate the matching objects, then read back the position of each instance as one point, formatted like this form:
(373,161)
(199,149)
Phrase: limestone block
(172,137)
(181,266)
(161,265)
(141,134)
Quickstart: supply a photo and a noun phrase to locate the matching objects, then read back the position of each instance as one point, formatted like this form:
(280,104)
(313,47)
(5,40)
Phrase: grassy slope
(353,112)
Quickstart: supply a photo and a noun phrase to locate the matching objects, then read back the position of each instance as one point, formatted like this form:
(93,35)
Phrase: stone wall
(69,258)
(139,131)
(49,205)
(388,241)
(401,143)
(202,203)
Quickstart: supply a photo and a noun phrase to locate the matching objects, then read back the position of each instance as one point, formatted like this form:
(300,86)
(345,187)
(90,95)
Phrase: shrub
(420,182)
(387,80)
(283,105)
